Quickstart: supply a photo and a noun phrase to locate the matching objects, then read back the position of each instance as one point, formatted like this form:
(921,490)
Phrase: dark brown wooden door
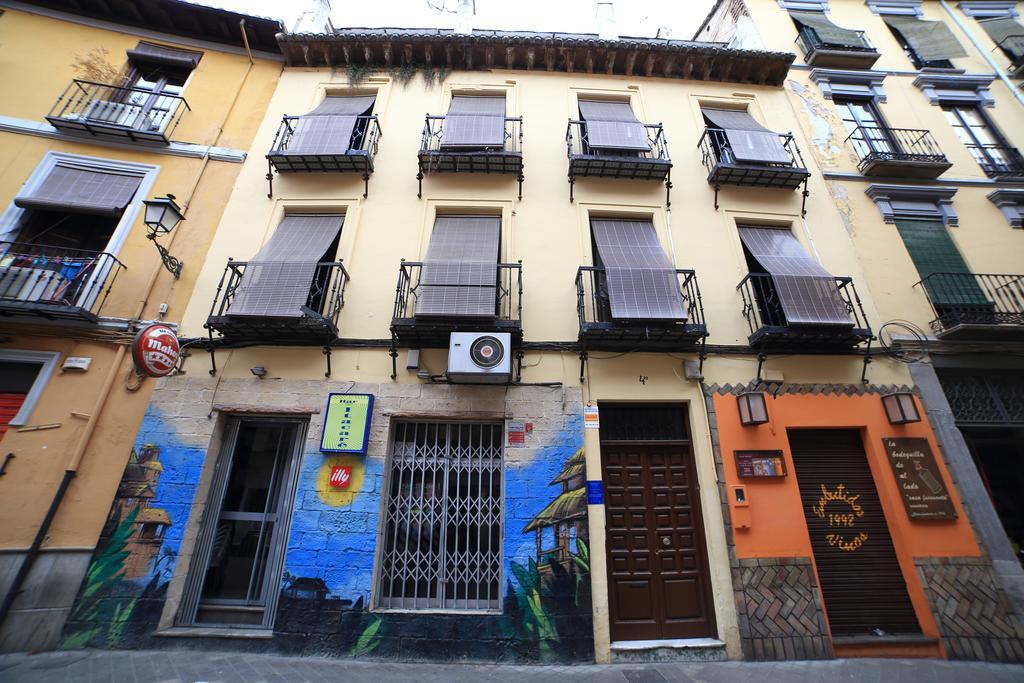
(658,581)
(861,581)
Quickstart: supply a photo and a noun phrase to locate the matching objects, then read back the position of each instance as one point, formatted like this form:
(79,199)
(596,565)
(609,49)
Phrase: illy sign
(155,350)
(341,475)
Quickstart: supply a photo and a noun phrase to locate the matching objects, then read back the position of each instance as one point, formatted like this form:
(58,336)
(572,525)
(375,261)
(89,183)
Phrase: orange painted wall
(777,524)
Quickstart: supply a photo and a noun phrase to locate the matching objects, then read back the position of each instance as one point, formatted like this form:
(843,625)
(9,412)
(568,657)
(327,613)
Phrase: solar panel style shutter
(1002,28)
(612,125)
(931,41)
(276,282)
(460,272)
(748,139)
(827,31)
(151,53)
(807,292)
(328,129)
(474,122)
(932,250)
(642,283)
(75,188)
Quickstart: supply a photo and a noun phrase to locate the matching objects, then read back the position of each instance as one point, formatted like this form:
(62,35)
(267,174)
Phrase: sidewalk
(186,666)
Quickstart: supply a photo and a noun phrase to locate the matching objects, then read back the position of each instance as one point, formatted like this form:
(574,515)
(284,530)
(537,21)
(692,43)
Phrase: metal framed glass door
(864,123)
(981,140)
(237,565)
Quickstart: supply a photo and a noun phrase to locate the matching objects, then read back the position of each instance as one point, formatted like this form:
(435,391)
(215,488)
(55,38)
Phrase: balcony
(116,113)
(599,332)
(437,157)
(305,158)
(770,331)
(898,152)
(857,54)
(415,330)
(724,169)
(998,161)
(1013,47)
(629,164)
(976,307)
(55,283)
(317,325)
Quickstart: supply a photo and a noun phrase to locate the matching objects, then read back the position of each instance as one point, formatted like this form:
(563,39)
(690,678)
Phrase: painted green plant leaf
(368,640)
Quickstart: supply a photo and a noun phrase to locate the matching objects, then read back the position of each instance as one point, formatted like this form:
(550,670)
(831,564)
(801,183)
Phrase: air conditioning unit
(480,357)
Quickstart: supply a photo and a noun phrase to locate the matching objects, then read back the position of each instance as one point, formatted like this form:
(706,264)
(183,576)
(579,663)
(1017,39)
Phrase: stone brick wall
(780,613)
(975,619)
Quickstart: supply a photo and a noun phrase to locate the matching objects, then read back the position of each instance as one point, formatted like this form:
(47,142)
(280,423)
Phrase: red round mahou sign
(156,350)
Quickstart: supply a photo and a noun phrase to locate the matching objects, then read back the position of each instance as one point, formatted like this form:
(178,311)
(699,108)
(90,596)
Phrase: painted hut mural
(135,494)
(561,524)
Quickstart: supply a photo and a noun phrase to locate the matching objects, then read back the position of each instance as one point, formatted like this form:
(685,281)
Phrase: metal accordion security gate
(441,540)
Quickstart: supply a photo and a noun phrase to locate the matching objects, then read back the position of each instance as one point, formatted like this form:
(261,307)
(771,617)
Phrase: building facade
(551,347)
(101,110)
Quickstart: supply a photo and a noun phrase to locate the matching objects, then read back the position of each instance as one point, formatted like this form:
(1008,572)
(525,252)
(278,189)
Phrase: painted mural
(326,584)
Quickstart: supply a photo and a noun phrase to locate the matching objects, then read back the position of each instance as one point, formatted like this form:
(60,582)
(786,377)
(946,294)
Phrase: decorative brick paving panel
(779,608)
(975,619)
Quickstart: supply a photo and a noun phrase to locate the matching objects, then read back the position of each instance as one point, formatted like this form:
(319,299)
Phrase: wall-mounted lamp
(900,408)
(162,215)
(259,371)
(753,409)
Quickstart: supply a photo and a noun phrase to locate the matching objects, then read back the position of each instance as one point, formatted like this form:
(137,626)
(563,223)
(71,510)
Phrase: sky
(641,18)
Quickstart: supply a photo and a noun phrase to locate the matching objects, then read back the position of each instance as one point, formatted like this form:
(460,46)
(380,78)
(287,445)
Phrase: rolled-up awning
(460,270)
(151,53)
(931,41)
(276,282)
(474,122)
(641,282)
(613,125)
(827,31)
(75,188)
(328,129)
(1007,33)
(808,293)
(748,139)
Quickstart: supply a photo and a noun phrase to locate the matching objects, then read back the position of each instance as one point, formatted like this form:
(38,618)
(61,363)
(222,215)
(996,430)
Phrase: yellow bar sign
(347,423)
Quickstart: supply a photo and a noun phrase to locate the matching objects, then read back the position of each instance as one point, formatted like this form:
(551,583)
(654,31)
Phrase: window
(475,123)
(460,271)
(737,138)
(23,374)
(983,141)
(443,515)
(864,123)
(612,128)
(928,44)
(338,125)
(235,575)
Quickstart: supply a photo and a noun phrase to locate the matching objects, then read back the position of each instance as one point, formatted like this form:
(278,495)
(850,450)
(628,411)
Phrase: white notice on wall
(591,419)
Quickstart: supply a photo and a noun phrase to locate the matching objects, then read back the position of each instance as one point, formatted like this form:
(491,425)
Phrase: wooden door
(860,578)
(658,581)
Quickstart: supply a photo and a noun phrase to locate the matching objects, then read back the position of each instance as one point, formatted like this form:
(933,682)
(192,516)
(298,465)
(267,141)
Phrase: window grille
(443,512)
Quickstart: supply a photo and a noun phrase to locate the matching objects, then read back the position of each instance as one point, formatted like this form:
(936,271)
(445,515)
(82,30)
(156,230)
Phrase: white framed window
(440,544)
(24,374)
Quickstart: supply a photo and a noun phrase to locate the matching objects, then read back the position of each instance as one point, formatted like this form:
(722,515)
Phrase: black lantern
(900,408)
(163,215)
(753,409)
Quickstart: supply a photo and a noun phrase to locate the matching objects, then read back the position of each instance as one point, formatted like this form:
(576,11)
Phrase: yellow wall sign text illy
(347,423)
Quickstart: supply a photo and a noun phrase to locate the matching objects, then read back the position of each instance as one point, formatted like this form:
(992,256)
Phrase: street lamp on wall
(753,409)
(162,215)
(900,408)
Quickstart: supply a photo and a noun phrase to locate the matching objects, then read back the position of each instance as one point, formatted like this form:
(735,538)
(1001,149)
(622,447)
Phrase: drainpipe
(69,473)
(991,62)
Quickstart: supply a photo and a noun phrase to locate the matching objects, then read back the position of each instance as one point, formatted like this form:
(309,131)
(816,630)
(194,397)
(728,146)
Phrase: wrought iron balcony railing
(435,156)
(858,52)
(998,161)
(410,327)
(977,306)
(585,160)
(294,152)
(1013,47)
(599,331)
(903,152)
(55,282)
(725,169)
(769,327)
(317,325)
(112,111)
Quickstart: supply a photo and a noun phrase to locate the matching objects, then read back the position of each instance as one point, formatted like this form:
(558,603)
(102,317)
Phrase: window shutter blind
(151,53)
(827,31)
(748,139)
(931,40)
(460,271)
(807,292)
(932,250)
(474,122)
(642,284)
(328,129)
(277,280)
(613,125)
(75,188)
(1003,28)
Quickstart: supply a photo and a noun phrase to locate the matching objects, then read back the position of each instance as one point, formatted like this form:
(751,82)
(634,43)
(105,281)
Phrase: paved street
(181,666)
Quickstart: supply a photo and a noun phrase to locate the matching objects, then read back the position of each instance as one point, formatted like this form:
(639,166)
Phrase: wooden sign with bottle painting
(917,474)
